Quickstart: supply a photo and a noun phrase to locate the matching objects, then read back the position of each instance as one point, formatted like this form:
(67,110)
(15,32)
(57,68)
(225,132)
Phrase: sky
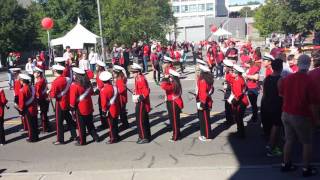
(242,1)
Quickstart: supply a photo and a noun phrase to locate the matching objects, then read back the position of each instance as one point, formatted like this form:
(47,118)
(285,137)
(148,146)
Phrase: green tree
(125,21)
(66,12)
(288,16)
(247,12)
(17,28)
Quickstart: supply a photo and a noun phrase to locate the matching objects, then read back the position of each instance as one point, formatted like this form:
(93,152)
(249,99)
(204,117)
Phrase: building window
(209,6)
(176,9)
(201,7)
(193,8)
(184,8)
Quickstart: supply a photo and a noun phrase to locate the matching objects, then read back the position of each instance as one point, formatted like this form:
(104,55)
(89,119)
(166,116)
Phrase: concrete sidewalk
(183,173)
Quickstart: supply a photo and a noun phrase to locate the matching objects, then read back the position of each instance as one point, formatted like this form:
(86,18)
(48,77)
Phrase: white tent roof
(76,38)
(220,32)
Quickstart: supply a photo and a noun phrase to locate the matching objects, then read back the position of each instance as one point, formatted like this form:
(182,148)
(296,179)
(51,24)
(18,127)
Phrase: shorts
(297,127)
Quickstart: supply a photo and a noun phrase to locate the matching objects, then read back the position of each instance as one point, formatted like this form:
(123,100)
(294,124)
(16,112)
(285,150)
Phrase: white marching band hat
(238,68)
(268,57)
(228,62)
(174,73)
(58,67)
(15,69)
(105,76)
(135,67)
(59,59)
(25,77)
(167,59)
(78,70)
(118,68)
(101,63)
(199,61)
(204,68)
(38,69)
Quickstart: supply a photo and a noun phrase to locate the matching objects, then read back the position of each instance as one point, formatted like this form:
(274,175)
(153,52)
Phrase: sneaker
(310,171)
(288,167)
(275,152)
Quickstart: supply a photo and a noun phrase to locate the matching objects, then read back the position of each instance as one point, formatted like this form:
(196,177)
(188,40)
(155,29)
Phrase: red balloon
(47,23)
(213,28)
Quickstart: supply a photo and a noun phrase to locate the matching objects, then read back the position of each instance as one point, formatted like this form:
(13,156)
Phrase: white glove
(135,98)
(199,106)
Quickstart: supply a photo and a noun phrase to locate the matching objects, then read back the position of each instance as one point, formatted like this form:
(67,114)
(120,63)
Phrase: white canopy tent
(220,32)
(76,38)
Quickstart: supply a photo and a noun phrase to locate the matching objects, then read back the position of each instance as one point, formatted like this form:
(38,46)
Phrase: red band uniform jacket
(142,88)
(84,106)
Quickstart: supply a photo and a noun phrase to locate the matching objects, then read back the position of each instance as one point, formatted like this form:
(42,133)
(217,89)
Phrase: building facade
(192,15)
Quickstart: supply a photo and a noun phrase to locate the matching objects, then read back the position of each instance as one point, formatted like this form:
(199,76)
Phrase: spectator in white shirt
(92,60)
(84,63)
(29,68)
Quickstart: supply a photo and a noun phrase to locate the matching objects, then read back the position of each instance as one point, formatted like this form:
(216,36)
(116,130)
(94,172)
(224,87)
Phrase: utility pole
(101,38)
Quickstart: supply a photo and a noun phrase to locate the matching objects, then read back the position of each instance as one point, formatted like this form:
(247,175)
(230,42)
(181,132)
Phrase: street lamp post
(101,38)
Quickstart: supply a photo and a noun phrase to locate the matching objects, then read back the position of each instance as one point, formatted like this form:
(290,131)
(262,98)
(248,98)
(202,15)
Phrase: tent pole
(49,53)
(101,38)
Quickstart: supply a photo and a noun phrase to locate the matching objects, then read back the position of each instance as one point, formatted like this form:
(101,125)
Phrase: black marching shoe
(288,167)
(309,171)
(58,143)
(143,141)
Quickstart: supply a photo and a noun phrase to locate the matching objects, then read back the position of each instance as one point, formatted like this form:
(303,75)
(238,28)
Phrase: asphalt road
(229,156)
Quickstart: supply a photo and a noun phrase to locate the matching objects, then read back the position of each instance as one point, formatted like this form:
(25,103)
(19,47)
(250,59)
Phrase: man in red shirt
(146,53)
(315,76)
(297,91)
(60,91)
(142,100)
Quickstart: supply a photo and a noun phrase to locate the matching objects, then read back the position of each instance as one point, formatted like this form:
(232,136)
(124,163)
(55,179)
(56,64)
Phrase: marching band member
(168,64)
(229,78)
(42,98)
(142,101)
(232,52)
(60,91)
(252,77)
(120,81)
(240,100)
(81,104)
(99,84)
(3,102)
(204,102)
(67,72)
(28,106)
(110,105)
(267,59)
(172,86)
(16,89)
